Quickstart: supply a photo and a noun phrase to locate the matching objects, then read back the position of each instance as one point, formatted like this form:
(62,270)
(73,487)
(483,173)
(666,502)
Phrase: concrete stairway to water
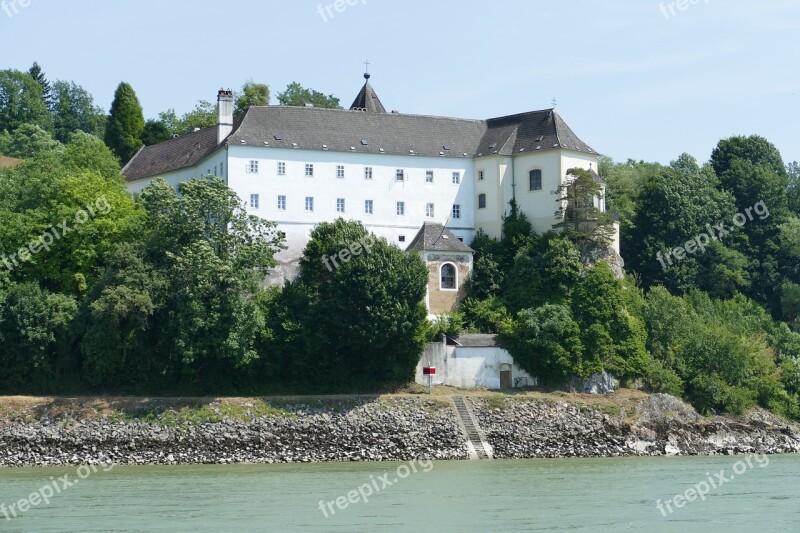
(477,446)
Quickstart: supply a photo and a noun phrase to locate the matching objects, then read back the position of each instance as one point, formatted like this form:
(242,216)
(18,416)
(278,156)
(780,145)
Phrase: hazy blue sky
(632,79)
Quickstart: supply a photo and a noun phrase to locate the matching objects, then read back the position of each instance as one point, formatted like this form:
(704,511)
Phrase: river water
(520,495)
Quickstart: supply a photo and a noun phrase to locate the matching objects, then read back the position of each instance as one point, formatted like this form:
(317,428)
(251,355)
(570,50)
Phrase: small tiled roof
(367,100)
(475,340)
(434,237)
(534,131)
(173,154)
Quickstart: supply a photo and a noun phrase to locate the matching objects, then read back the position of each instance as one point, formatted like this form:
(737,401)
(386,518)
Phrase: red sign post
(429,371)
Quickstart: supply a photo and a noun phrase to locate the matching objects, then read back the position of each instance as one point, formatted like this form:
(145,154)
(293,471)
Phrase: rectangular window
(339,171)
(481,201)
(281,168)
(340,205)
(309,169)
(215,171)
(456,178)
(535,179)
(401,208)
(456,211)
(367,173)
(253,201)
(252,167)
(400,175)
(222,170)
(309,203)
(368,207)
(429,176)
(480,175)
(282,202)
(401,238)
(429,210)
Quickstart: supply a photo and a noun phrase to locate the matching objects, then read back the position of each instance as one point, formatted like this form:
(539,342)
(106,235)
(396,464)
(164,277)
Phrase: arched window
(448,276)
(481,201)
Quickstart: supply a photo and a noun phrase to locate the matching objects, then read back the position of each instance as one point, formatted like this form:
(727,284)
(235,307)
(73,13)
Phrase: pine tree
(37,74)
(125,123)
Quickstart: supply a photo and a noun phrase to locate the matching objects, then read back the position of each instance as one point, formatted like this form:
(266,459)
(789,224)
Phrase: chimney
(224,114)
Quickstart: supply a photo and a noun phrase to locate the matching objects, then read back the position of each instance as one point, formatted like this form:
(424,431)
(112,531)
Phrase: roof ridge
(388,114)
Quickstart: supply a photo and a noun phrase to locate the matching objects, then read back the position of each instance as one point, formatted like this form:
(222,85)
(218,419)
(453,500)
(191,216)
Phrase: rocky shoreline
(391,430)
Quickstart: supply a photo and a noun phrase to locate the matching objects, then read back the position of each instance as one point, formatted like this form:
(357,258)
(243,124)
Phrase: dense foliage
(166,294)
(715,322)
(350,323)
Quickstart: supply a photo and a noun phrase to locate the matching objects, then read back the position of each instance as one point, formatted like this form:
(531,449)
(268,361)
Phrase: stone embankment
(388,429)
(660,425)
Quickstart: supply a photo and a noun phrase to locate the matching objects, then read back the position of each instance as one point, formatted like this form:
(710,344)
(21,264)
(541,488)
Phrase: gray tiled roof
(340,130)
(476,340)
(313,128)
(367,100)
(173,154)
(529,132)
(434,237)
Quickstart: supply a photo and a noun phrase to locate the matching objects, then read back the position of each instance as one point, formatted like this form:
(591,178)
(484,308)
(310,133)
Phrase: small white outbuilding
(472,360)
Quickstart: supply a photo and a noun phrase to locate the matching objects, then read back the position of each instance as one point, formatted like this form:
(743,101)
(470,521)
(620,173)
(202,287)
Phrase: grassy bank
(176,411)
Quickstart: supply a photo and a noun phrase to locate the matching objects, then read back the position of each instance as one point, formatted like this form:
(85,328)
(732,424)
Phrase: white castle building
(393,172)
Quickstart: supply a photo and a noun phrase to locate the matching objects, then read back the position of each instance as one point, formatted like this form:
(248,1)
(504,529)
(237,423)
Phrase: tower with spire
(367,100)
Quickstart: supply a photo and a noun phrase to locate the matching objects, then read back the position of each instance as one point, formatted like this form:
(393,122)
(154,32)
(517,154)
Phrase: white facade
(251,170)
(342,183)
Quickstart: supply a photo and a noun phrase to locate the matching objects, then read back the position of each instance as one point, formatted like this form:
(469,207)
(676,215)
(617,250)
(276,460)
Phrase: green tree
(760,194)
(204,115)
(790,301)
(87,152)
(82,211)
(21,102)
(543,273)
(28,141)
(35,332)
(793,190)
(125,123)
(675,206)
(581,220)
(74,110)
(155,131)
(37,74)
(517,231)
(546,342)
(754,149)
(117,324)
(484,316)
(182,302)
(624,182)
(297,95)
(252,94)
(612,337)
(358,322)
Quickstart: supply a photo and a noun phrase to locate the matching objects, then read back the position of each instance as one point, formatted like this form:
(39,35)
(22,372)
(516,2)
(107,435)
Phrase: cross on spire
(366,64)
(554,102)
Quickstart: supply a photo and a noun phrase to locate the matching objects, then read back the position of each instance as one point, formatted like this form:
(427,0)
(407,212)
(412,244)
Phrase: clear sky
(634,79)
